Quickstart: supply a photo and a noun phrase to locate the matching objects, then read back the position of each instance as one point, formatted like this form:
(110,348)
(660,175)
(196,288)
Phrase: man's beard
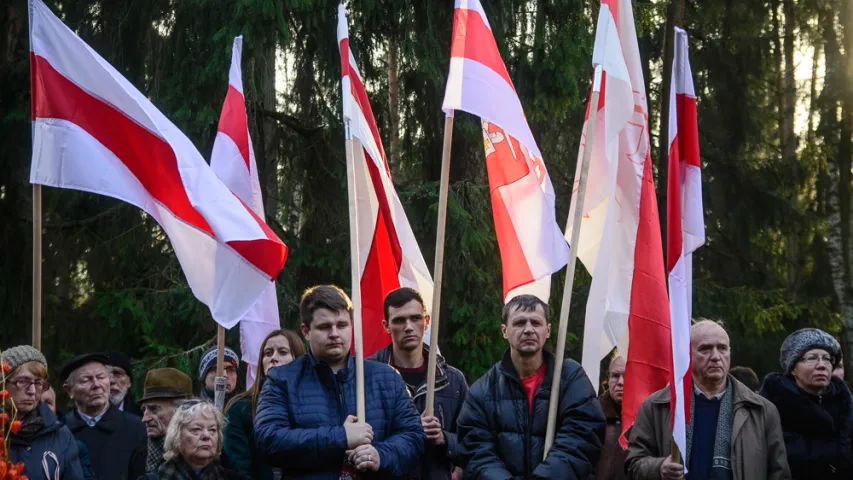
(116,399)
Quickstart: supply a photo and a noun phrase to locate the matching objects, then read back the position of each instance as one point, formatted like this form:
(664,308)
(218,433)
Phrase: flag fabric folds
(388,255)
(620,241)
(233,161)
(685,228)
(531,243)
(93,131)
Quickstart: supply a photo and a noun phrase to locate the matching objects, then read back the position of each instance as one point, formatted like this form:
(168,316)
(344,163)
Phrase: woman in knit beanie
(43,444)
(816,409)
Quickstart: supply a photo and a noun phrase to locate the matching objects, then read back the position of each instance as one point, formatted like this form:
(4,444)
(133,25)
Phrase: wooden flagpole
(37,227)
(221,379)
(439,262)
(573,257)
(356,281)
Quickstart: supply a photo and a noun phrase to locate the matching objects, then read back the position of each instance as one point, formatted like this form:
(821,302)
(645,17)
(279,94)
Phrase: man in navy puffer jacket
(305,421)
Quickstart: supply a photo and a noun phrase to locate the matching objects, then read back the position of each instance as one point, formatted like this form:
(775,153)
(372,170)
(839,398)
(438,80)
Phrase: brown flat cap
(166,383)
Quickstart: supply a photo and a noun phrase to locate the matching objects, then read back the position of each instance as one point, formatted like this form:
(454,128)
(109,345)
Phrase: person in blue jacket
(43,444)
(305,422)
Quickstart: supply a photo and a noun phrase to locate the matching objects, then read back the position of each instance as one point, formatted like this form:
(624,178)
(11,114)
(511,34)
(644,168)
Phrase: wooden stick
(221,380)
(356,281)
(676,453)
(570,270)
(37,266)
(439,263)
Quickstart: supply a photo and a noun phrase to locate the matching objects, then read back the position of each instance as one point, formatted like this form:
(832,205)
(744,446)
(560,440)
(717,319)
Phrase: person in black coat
(43,444)
(406,320)
(110,434)
(121,382)
(503,421)
(816,409)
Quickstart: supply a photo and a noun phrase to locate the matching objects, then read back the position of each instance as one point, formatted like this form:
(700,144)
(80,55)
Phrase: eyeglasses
(814,359)
(25,384)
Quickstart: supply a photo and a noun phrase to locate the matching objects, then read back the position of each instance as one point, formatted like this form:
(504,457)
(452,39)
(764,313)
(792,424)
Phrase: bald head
(616,378)
(709,343)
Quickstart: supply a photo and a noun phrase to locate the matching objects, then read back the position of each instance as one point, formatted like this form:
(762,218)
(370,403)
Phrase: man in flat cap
(108,433)
(121,380)
(166,389)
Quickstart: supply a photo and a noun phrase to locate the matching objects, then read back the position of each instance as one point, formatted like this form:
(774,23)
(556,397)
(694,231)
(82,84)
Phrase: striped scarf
(722,465)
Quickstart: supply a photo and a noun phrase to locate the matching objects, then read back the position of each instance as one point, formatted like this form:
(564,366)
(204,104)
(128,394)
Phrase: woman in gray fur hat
(816,408)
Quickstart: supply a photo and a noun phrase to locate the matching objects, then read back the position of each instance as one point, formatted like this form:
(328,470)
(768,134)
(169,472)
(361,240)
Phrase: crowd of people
(298,419)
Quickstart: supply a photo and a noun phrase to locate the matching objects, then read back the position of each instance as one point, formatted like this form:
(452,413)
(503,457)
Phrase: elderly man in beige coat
(724,412)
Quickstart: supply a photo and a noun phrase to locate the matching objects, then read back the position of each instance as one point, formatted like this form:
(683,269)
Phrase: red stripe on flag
(149,158)
(688,129)
(382,271)
(233,122)
(473,39)
(674,240)
(649,362)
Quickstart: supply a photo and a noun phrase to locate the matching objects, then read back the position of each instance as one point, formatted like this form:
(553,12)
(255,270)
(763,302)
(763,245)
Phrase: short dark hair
(401,296)
(746,376)
(524,303)
(329,297)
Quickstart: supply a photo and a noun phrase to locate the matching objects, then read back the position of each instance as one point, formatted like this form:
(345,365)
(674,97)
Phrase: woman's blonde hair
(184,415)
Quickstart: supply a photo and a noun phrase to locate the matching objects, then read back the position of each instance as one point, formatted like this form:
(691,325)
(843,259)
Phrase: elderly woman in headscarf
(45,446)
(193,445)
(816,408)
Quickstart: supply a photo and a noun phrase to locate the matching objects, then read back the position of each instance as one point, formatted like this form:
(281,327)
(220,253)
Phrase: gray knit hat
(208,361)
(803,340)
(17,356)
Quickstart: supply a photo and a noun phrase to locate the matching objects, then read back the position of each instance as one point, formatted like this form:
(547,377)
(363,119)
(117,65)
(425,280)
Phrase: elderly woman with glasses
(816,408)
(193,445)
(46,447)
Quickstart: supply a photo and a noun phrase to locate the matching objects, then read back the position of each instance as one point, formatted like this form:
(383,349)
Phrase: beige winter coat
(758,448)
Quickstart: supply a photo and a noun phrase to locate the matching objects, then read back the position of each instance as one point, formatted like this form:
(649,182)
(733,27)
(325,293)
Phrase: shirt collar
(698,392)
(92,421)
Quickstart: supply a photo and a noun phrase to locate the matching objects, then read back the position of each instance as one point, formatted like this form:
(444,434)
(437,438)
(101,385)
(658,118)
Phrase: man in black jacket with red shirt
(503,420)
(406,321)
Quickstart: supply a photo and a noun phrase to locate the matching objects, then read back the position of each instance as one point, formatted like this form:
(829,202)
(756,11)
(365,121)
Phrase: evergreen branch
(292,122)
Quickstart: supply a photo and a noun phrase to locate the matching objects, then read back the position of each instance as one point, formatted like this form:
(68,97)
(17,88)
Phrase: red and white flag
(388,255)
(233,160)
(93,131)
(530,240)
(620,240)
(685,228)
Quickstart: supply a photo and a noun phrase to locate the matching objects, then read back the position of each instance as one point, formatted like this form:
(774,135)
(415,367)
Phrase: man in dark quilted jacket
(501,427)
(305,422)
(406,321)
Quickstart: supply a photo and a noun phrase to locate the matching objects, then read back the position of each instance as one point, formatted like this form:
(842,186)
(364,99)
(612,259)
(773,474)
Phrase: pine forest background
(774,81)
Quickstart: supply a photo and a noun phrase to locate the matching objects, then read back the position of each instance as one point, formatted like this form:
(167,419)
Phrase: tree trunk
(789,144)
(393,102)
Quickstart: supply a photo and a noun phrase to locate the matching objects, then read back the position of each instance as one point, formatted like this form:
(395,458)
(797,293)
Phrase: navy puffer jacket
(500,440)
(54,444)
(818,430)
(301,412)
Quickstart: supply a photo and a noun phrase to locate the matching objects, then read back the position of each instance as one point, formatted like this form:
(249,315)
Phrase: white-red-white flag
(685,228)
(531,243)
(620,240)
(388,255)
(233,160)
(93,131)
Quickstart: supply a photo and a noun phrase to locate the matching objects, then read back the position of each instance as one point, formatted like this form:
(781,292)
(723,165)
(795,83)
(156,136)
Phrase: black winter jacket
(450,392)
(500,440)
(817,429)
(52,438)
(301,411)
(111,441)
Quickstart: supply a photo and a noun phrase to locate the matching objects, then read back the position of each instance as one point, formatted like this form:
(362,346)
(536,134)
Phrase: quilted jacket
(301,412)
(500,440)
